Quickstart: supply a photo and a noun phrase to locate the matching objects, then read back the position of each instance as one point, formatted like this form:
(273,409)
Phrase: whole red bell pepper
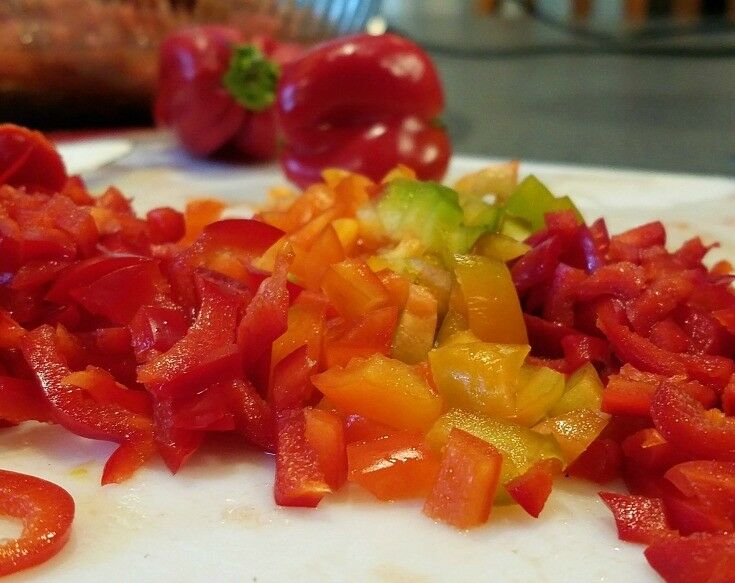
(215,90)
(363,103)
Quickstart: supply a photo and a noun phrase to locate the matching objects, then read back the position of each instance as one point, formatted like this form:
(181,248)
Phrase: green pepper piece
(428,211)
(531,201)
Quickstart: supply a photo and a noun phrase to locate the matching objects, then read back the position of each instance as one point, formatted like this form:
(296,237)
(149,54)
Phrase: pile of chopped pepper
(461,346)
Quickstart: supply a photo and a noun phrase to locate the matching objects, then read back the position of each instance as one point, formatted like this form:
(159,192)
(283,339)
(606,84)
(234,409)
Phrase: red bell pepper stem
(47,512)
(251,78)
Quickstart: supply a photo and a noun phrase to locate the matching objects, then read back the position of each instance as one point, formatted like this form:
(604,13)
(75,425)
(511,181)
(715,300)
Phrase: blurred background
(627,83)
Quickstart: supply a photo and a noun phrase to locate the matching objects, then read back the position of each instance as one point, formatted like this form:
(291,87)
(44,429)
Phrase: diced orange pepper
(465,487)
(370,334)
(394,467)
(306,326)
(383,389)
(198,214)
(353,288)
(310,264)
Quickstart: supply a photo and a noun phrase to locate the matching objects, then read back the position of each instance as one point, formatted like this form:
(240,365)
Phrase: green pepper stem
(251,78)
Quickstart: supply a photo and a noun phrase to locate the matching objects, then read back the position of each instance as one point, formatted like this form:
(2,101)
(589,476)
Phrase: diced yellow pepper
(479,376)
(537,391)
(500,247)
(492,307)
(414,335)
(573,431)
(583,391)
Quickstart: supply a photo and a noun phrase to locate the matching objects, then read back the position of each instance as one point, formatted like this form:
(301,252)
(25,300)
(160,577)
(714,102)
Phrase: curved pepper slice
(363,103)
(47,512)
(80,414)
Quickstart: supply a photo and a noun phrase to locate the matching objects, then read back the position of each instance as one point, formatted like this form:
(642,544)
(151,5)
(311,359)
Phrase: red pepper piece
(207,353)
(712,482)
(667,334)
(657,301)
(697,558)
(601,462)
(47,512)
(88,271)
(623,280)
(28,159)
(580,349)
(683,421)
(119,294)
(22,400)
(215,91)
(643,236)
(689,515)
(104,389)
(538,265)
(291,386)
(254,418)
(532,489)
(11,333)
(546,337)
(636,349)
(304,459)
(393,467)
(638,518)
(73,409)
(465,487)
(265,318)
(166,225)
(372,333)
(648,449)
(691,253)
(562,294)
(381,113)
(155,329)
(175,445)
(35,274)
(208,410)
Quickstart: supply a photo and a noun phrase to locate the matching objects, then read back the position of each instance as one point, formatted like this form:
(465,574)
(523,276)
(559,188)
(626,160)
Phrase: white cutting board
(216,521)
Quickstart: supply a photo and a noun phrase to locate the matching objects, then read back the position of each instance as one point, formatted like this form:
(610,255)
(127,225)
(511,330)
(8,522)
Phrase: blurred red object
(93,63)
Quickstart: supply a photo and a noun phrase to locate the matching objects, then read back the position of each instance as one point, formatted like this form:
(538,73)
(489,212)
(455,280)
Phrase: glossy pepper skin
(363,103)
(215,91)
(47,512)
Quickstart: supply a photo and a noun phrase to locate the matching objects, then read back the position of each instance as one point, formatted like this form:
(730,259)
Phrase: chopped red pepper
(694,559)
(638,518)
(47,512)
(463,492)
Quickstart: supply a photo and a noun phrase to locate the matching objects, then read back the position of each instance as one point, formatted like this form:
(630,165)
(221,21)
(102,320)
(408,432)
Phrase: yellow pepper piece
(492,307)
(583,391)
(478,376)
(573,431)
(537,391)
